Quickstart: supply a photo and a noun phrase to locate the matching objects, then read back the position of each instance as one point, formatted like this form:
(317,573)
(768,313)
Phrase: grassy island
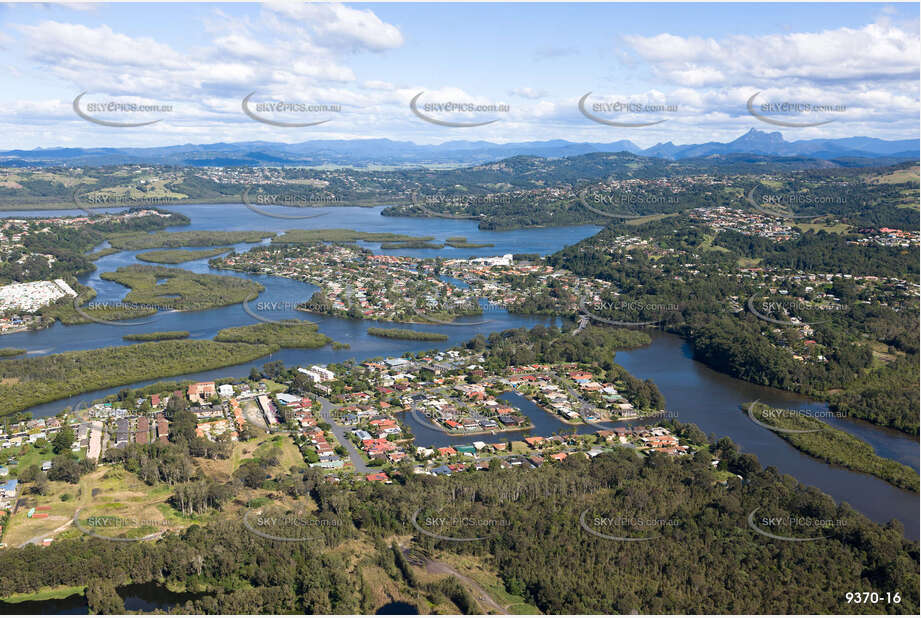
(165,335)
(178,256)
(26,382)
(460,242)
(171,240)
(344,235)
(182,290)
(406,333)
(287,334)
(834,446)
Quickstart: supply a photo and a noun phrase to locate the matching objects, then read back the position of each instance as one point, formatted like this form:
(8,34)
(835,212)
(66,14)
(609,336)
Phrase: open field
(647,219)
(898,177)
(109,492)
(837,228)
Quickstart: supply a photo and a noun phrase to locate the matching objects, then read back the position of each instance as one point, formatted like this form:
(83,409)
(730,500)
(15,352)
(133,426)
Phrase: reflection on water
(698,394)
(146,597)
(713,402)
(397,608)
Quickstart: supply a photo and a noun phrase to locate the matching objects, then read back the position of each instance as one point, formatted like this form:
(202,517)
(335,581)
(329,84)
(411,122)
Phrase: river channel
(693,392)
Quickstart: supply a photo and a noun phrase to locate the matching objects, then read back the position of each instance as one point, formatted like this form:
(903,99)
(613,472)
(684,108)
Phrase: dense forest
(706,304)
(707,559)
(547,530)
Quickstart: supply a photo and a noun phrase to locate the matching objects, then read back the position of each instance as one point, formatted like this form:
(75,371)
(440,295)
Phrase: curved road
(341,433)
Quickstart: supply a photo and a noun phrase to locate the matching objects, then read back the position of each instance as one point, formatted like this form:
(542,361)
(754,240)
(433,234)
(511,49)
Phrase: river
(145,598)
(693,392)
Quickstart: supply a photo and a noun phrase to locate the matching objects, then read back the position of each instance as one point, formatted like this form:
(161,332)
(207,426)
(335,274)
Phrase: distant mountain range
(365,152)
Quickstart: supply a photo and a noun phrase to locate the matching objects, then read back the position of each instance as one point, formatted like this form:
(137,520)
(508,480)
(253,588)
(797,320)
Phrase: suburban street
(341,433)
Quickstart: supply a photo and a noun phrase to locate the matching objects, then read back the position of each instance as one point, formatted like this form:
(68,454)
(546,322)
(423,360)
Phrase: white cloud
(529,93)
(336,25)
(879,51)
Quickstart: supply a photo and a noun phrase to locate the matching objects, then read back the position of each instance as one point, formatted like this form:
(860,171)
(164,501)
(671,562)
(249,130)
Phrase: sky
(691,69)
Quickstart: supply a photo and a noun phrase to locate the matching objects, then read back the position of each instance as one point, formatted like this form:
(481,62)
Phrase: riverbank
(44,594)
(822,441)
(29,381)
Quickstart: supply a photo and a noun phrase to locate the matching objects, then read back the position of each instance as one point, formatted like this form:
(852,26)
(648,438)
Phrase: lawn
(26,455)
(290,454)
(118,494)
(836,228)
(45,593)
(647,219)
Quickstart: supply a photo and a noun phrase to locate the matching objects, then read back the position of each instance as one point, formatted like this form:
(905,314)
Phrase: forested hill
(705,557)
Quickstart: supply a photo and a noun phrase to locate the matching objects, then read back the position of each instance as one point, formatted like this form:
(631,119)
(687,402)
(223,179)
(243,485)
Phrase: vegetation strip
(834,446)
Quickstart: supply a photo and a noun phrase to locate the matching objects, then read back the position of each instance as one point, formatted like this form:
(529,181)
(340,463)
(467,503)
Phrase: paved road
(341,433)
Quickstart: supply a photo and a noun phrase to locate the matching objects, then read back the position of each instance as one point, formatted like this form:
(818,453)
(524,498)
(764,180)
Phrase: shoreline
(435,426)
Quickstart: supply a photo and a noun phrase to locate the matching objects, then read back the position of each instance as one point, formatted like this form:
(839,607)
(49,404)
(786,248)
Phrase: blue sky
(693,66)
